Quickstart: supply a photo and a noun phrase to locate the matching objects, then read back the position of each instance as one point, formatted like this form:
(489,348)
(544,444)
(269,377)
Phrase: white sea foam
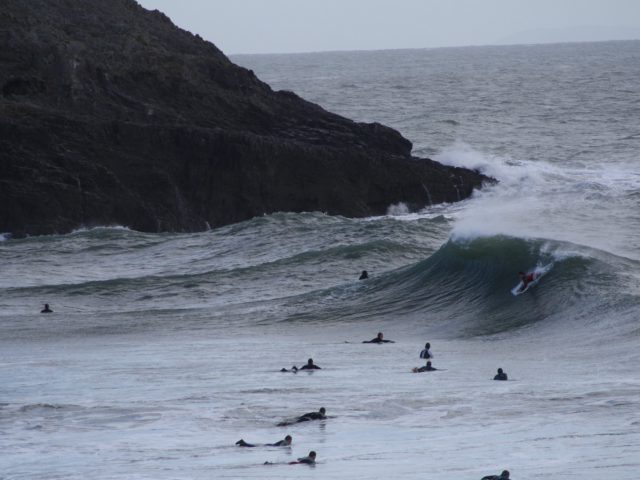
(398,209)
(100,228)
(537,199)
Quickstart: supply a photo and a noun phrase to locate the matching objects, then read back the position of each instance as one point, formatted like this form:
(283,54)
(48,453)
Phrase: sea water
(165,349)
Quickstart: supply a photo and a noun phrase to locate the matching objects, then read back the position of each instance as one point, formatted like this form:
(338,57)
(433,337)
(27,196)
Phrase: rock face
(110,114)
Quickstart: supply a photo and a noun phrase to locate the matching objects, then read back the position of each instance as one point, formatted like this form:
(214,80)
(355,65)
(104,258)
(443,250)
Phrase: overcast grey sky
(270,26)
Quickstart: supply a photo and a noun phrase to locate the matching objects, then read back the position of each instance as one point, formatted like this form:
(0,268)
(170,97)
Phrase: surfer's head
(288,439)
(504,475)
(499,370)
(428,364)
(310,361)
(322,411)
(312,455)
(427,345)
(380,336)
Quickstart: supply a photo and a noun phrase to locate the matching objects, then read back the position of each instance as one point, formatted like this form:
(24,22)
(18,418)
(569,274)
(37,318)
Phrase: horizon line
(306,52)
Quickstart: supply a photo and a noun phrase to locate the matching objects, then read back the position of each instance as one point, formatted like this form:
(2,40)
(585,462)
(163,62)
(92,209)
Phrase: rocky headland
(110,114)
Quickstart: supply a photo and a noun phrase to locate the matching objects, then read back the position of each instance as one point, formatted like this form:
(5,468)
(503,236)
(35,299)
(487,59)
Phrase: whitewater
(165,349)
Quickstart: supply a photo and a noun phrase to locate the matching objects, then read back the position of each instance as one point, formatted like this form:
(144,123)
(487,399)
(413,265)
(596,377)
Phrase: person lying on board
(319,415)
(281,443)
(503,476)
(379,339)
(308,460)
(526,279)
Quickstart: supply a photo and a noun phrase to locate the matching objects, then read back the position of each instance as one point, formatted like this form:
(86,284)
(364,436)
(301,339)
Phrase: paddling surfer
(319,415)
(308,460)
(503,476)
(281,443)
(379,339)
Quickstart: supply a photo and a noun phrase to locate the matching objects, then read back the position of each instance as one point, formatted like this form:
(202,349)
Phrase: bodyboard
(538,273)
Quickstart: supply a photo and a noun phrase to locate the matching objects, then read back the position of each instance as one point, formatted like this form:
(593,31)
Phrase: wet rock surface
(110,114)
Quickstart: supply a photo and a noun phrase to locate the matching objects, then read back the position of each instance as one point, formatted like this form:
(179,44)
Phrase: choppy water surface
(164,349)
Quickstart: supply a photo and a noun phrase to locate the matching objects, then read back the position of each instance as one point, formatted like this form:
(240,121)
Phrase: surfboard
(518,290)
(538,273)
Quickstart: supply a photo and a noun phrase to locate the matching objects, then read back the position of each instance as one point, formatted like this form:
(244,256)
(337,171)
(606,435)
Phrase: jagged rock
(110,114)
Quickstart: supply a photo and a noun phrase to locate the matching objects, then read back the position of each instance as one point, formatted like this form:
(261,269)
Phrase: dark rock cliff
(110,114)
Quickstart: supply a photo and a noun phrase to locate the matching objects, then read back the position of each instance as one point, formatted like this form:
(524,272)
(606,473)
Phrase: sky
(285,26)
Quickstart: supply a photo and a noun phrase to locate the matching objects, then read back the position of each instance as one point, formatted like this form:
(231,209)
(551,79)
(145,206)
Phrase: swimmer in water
(426,353)
(46,309)
(379,339)
(426,368)
(282,443)
(503,476)
(310,365)
(364,275)
(500,375)
(319,415)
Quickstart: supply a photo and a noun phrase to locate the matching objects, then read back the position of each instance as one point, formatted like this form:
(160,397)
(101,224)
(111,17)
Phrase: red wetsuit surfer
(526,278)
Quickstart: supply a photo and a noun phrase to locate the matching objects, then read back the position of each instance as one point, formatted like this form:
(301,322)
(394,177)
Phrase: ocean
(165,349)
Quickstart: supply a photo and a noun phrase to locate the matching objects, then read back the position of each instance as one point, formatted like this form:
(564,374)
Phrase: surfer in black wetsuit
(310,365)
(379,339)
(282,443)
(364,275)
(308,460)
(46,309)
(503,476)
(319,415)
(426,368)
(426,353)
(500,375)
